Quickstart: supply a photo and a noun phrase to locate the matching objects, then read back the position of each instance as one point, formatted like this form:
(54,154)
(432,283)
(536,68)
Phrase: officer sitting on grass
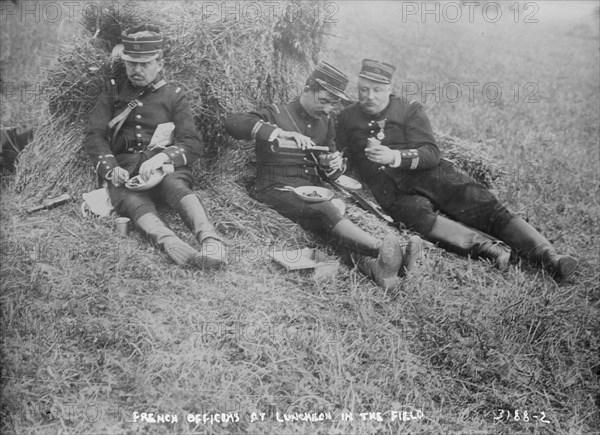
(118,141)
(391,143)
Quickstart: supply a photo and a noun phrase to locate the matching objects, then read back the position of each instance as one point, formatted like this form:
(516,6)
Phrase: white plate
(138,183)
(313,193)
(348,183)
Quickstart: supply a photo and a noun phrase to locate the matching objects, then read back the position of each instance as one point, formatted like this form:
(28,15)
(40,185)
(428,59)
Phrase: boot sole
(204,262)
(566,267)
(412,253)
(389,262)
(503,261)
(390,254)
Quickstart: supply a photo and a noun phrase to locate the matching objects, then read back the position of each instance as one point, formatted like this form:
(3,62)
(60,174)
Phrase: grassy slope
(95,326)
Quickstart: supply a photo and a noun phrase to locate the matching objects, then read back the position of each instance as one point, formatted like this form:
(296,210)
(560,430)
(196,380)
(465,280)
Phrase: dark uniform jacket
(159,103)
(403,126)
(292,167)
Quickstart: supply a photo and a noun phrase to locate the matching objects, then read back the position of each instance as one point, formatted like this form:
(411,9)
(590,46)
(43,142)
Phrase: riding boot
(180,252)
(463,240)
(377,259)
(193,214)
(536,248)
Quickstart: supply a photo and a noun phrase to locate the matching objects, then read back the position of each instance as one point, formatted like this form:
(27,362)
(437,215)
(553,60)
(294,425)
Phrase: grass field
(97,327)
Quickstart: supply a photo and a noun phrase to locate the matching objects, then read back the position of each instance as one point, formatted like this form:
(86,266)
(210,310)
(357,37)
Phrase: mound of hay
(225,62)
(472,158)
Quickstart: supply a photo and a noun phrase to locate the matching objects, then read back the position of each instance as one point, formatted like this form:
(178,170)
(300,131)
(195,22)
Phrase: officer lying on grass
(392,144)
(119,133)
(307,121)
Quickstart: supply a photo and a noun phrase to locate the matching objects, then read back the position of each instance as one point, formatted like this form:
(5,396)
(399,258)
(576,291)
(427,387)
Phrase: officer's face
(143,73)
(373,96)
(319,103)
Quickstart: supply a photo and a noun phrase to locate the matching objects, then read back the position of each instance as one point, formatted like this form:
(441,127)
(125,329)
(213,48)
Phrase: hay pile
(226,63)
(472,158)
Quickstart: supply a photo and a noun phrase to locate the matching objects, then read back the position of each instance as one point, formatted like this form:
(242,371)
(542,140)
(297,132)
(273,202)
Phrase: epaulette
(114,89)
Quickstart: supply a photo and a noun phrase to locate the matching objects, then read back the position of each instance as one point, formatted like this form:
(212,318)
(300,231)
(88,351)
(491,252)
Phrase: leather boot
(463,240)
(193,214)
(413,251)
(384,268)
(180,252)
(536,248)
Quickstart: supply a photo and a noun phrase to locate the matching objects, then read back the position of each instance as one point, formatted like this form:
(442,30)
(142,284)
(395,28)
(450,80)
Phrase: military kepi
(141,43)
(377,71)
(330,78)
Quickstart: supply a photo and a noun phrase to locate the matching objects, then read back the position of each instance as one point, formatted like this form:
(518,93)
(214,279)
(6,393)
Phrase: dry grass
(96,326)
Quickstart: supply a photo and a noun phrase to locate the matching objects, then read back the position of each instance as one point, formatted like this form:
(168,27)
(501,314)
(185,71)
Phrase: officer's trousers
(313,216)
(134,204)
(416,197)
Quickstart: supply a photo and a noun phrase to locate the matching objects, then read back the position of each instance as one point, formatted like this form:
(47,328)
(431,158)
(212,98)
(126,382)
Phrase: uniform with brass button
(391,142)
(118,136)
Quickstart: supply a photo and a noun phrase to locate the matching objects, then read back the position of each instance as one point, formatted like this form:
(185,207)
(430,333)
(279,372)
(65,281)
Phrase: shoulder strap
(121,117)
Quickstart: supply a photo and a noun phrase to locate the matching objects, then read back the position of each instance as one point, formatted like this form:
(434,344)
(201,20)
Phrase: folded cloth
(97,202)
(162,137)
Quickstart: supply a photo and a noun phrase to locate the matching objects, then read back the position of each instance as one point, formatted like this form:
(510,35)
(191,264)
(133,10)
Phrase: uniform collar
(152,87)
(156,85)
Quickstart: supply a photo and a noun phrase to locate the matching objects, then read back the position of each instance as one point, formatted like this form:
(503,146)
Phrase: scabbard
(371,206)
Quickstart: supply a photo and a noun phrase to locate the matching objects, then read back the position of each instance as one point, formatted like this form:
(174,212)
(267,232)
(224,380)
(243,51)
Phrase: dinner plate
(137,183)
(348,183)
(311,193)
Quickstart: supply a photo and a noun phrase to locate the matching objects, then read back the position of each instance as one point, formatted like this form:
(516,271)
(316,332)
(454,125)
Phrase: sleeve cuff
(177,156)
(263,131)
(397,160)
(105,165)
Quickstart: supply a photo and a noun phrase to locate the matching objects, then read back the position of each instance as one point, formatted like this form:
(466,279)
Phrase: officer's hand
(118,176)
(152,164)
(372,142)
(303,142)
(380,154)
(335,160)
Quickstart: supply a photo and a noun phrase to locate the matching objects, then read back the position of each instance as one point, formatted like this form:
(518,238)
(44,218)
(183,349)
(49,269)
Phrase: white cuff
(397,160)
